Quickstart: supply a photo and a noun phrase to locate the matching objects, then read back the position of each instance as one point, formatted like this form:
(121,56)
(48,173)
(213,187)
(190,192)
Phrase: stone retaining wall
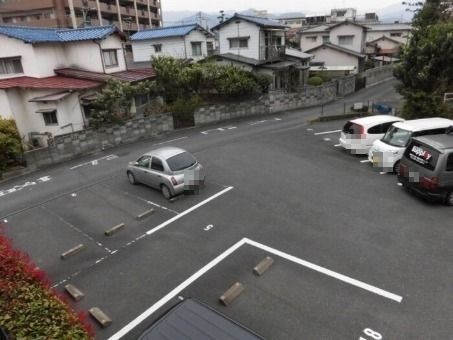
(378,74)
(73,145)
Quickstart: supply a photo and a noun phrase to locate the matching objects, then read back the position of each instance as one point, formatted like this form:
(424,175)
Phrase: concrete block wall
(346,85)
(378,74)
(72,145)
(275,101)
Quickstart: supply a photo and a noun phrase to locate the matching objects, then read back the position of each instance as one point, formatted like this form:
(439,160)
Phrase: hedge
(29,308)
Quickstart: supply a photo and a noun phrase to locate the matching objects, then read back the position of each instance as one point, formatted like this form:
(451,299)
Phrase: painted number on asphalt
(370,334)
(208,227)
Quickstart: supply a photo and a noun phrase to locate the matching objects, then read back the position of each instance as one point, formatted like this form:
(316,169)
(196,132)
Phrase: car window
(353,128)
(430,132)
(181,161)
(156,164)
(450,162)
(422,154)
(396,137)
(375,130)
(144,161)
(386,126)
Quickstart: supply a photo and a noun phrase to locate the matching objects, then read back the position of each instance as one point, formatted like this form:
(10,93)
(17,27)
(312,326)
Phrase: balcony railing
(270,53)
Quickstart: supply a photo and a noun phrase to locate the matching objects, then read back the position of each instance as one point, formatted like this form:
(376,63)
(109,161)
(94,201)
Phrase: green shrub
(10,143)
(29,309)
(315,81)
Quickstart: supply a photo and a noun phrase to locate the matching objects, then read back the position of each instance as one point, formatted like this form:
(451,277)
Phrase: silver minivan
(427,167)
(170,170)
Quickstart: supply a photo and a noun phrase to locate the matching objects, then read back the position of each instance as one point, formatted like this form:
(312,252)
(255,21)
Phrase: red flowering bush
(29,308)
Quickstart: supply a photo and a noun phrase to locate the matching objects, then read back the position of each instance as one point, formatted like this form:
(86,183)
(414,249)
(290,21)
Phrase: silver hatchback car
(169,169)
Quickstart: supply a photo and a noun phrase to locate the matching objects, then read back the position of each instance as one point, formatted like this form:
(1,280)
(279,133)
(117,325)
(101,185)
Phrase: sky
(273,6)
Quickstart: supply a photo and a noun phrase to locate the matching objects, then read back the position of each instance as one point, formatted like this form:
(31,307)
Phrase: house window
(239,43)
(312,38)
(345,39)
(396,34)
(325,39)
(141,99)
(50,117)
(157,48)
(110,58)
(196,49)
(11,66)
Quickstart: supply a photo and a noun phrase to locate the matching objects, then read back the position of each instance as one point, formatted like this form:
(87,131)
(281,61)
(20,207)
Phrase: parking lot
(355,255)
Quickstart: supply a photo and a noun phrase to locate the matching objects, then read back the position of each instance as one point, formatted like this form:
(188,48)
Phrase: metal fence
(371,106)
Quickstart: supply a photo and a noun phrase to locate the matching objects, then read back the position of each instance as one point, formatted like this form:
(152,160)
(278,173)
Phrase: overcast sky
(274,6)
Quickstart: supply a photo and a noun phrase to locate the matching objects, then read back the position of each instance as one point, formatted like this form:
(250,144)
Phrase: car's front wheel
(131,178)
(449,198)
(396,167)
(165,191)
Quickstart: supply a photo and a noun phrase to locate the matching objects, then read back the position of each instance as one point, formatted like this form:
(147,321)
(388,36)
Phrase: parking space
(83,217)
(293,296)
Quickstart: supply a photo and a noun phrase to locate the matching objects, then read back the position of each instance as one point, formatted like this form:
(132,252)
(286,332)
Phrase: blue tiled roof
(40,35)
(263,22)
(260,21)
(164,32)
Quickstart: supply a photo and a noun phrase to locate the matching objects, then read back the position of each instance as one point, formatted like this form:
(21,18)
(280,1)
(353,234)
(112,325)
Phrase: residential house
(387,39)
(347,34)
(49,76)
(342,58)
(182,42)
(258,44)
(340,44)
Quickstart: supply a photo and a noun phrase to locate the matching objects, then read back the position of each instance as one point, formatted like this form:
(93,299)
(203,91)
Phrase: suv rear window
(422,154)
(181,161)
(352,128)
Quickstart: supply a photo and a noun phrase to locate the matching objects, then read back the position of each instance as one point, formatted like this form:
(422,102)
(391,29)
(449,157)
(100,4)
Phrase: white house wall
(32,65)
(335,58)
(358,42)
(306,43)
(172,47)
(373,35)
(387,44)
(87,55)
(195,36)
(242,29)
(28,120)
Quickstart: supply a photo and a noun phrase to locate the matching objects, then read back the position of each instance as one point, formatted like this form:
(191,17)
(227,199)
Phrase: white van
(386,153)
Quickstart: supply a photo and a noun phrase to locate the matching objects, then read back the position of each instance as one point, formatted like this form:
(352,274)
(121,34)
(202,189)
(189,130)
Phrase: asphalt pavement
(355,255)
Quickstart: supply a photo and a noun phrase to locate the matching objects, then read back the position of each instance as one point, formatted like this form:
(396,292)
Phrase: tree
(179,79)
(426,68)
(10,143)
(114,101)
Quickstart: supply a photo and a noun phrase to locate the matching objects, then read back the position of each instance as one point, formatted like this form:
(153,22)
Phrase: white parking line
(185,212)
(258,122)
(94,161)
(337,145)
(134,323)
(327,272)
(326,139)
(171,140)
(326,132)
(365,161)
(173,293)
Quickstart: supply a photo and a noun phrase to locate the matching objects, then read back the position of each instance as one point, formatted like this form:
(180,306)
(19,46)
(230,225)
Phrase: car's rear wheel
(396,167)
(449,198)
(131,178)
(165,191)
